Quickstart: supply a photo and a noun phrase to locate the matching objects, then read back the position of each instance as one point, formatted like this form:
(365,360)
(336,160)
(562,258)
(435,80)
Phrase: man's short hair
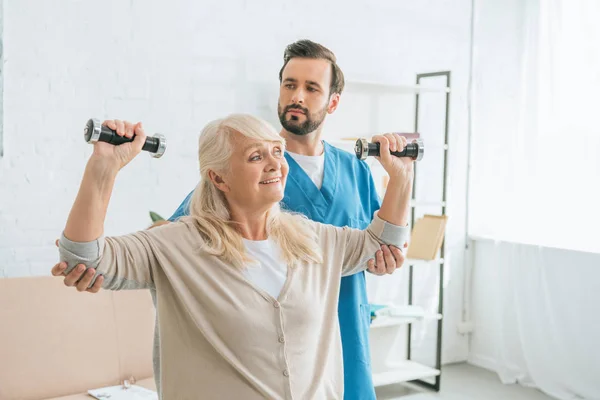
(310,49)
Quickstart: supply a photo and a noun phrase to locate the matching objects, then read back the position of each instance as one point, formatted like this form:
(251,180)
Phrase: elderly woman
(246,293)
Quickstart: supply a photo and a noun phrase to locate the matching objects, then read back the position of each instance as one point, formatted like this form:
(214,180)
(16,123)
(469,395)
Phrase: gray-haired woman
(246,293)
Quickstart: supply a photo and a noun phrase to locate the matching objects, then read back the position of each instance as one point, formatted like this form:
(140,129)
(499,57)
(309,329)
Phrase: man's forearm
(395,207)
(86,219)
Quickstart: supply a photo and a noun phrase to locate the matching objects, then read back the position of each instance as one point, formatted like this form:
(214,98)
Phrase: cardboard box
(427,237)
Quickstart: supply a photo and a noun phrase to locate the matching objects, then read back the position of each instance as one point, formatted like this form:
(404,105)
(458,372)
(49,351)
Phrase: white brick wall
(175,66)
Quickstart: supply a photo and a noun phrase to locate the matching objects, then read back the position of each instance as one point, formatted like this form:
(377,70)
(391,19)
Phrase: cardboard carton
(427,237)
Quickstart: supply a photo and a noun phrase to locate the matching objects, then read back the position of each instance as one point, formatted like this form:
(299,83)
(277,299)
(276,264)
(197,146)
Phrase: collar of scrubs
(297,177)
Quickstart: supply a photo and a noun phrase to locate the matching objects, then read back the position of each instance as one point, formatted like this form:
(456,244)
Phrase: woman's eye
(255,158)
(278,151)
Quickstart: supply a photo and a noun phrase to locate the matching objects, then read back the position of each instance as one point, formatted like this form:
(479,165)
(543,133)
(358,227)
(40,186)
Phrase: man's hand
(387,260)
(78,277)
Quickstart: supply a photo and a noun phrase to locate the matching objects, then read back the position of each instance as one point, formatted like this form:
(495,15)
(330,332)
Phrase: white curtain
(535,189)
(541,312)
(536,122)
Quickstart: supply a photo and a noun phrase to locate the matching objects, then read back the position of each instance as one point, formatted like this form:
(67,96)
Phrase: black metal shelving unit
(438,354)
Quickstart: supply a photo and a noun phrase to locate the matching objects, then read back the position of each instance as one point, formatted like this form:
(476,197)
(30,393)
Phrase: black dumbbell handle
(413,150)
(96,132)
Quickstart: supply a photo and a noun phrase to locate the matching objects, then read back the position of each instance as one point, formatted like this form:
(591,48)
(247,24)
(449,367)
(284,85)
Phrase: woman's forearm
(395,207)
(86,219)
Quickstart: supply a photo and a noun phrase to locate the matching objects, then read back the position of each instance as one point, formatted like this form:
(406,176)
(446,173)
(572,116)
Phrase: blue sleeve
(183,209)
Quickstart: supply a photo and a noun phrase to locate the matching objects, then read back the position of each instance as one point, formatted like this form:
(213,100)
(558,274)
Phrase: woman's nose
(273,164)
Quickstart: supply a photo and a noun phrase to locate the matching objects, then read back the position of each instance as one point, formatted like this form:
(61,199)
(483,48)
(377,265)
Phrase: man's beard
(313,121)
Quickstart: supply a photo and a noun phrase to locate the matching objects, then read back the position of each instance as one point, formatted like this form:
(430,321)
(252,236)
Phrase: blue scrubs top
(348,197)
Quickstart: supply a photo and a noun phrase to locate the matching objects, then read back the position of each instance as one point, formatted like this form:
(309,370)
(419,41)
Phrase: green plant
(155,217)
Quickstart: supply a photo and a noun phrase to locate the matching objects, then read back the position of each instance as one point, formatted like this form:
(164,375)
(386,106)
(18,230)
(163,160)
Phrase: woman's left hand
(396,167)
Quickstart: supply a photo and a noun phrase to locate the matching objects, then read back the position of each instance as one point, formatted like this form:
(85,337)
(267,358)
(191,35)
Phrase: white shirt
(270,271)
(314,166)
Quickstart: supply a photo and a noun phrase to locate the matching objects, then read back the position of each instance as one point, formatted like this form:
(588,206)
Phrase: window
(536,127)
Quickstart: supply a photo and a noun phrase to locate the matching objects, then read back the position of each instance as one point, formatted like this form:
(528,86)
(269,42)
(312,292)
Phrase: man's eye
(289,86)
(312,89)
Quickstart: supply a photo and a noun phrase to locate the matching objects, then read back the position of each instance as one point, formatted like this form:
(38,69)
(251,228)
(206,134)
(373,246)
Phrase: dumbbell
(96,132)
(364,149)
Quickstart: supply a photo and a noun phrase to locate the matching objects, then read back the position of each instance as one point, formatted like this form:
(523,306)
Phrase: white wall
(176,65)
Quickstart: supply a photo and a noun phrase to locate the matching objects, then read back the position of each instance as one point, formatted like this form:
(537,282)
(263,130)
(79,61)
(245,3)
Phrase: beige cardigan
(221,337)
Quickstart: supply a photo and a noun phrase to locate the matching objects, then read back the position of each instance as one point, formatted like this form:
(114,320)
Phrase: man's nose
(298,96)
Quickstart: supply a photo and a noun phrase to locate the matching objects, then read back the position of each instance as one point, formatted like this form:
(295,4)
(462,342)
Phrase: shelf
(353,85)
(387,328)
(404,371)
(389,321)
(412,261)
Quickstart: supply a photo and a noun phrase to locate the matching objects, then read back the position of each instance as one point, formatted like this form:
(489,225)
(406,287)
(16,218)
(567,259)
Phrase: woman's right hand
(121,154)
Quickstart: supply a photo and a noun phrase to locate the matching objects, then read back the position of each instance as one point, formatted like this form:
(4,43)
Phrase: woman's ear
(218,181)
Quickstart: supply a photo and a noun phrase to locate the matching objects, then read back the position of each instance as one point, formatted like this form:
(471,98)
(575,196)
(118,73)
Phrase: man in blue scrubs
(326,184)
